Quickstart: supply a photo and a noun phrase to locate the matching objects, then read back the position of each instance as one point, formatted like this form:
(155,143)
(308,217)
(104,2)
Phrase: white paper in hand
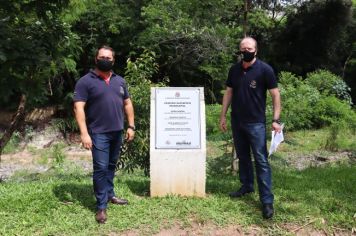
(277,138)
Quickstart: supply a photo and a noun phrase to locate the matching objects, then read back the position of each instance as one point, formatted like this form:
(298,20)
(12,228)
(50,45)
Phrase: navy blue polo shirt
(249,91)
(104,107)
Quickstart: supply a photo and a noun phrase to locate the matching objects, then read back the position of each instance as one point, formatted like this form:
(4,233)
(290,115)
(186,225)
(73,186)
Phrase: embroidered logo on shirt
(253,84)
(122,92)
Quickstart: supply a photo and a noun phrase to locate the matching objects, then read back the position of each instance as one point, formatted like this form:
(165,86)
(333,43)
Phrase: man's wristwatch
(131,127)
(278,121)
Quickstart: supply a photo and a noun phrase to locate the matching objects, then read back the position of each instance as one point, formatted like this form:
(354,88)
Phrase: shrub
(298,102)
(137,75)
(329,84)
(314,102)
(329,109)
(287,79)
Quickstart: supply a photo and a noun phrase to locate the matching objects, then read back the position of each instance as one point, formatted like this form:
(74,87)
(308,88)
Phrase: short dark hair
(105,47)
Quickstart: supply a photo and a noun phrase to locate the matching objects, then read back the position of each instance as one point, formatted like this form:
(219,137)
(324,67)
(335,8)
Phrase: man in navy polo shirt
(247,84)
(100,100)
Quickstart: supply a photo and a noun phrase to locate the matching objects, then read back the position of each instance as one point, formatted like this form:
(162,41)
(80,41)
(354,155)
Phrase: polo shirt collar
(93,74)
(251,66)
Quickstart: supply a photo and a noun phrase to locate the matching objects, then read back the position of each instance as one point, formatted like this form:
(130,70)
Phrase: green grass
(61,202)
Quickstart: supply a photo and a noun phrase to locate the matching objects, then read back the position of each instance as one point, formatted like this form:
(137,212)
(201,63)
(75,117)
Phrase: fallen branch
(17,120)
(339,228)
(297,229)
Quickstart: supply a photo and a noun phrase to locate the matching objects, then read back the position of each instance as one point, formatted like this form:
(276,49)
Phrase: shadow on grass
(72,192)
(220,179)
(139,187)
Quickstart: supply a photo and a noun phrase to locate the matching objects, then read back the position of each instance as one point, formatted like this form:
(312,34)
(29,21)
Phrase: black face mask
(104,65)
(248,56)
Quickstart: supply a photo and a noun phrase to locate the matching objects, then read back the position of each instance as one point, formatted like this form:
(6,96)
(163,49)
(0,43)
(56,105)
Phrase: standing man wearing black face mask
(247,84)
(101,99)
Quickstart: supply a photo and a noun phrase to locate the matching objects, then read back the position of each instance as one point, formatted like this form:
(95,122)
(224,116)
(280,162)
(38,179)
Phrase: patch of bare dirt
(308,229)
(21,161)
(317,159)
(210,229)
(194,229)
(30,162)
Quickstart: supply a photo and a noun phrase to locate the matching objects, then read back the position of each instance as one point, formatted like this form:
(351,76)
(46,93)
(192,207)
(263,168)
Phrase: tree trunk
(16,122)
(245,22)
(345,65)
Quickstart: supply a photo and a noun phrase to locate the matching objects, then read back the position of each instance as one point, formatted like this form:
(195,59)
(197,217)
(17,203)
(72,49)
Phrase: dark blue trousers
(105,152)
(247,137)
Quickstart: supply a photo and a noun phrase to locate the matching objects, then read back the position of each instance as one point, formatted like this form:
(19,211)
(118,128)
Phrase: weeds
(339,137)
(13,145)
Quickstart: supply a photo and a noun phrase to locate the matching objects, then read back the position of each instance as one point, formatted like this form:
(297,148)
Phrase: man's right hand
(223,126)
(86,141)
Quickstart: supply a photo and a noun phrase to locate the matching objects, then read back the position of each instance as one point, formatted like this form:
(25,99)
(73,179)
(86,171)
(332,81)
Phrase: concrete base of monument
(178,173)
(177,142)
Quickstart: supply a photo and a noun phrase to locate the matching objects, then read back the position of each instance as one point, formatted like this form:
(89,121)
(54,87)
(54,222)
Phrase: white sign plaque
(178,118)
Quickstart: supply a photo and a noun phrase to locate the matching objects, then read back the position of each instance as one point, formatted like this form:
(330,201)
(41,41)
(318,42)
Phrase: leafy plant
(54,155)
(329,110)
(137,75)
(58,155)
(329,84)
(313,102)
(300,114)
(13,144)
(339,136)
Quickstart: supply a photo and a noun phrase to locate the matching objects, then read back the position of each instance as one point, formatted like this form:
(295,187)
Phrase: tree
(35,47)
(314,37)
(193,40)
(111,22)
(138,77)
(349,66)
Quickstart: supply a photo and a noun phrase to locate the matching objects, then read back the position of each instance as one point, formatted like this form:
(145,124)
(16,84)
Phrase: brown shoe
(118,201)
(101,216)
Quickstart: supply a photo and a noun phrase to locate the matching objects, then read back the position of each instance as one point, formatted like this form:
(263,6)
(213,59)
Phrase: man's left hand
(276,127)
(130,134)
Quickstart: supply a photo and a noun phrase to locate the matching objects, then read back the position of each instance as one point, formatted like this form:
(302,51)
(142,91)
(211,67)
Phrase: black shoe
(240,193)
(267,211)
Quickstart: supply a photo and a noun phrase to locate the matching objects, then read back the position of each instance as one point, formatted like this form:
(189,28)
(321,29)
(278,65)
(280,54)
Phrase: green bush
(329,84)
(298,102)
(287,79)
(330,109)
(314,102)
(136,154)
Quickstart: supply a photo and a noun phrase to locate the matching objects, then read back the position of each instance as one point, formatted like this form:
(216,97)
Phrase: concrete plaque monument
(177,141)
